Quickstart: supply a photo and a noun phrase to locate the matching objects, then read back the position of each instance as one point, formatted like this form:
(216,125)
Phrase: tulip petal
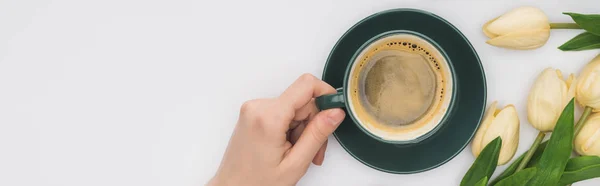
(587,142)
(505,125)
(476,145)
(486,31)
(588,85)
(522,40)
(522,18)
(547,98)
(592,146)
(571,90)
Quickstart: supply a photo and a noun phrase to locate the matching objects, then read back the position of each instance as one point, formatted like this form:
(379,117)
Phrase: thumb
(314,135)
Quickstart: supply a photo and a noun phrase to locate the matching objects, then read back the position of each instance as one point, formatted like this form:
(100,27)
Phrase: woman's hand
(276,139)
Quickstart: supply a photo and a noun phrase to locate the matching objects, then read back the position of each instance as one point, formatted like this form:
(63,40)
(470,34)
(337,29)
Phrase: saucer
(461,122)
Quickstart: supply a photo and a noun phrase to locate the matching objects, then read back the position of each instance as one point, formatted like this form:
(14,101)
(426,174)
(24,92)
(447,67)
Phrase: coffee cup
(398,88)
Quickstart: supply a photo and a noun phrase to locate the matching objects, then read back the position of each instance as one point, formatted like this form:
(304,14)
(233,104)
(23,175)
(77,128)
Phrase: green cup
(426,125)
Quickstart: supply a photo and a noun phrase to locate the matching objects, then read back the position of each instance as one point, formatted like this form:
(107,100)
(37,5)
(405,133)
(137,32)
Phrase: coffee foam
(417,110)
(393,75)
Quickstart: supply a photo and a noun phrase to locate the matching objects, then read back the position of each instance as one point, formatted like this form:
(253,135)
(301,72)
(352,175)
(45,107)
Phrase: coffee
(400,87)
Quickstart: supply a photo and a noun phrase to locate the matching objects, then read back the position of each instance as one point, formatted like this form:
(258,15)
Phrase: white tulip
(588,85)
(548,97)
(587,142)
(503,123)
(521,28)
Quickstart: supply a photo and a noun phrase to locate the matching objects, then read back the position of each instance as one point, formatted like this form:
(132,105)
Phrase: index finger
(303,90)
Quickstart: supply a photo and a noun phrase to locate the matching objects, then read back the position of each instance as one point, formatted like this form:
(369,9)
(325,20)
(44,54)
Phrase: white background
(147,92)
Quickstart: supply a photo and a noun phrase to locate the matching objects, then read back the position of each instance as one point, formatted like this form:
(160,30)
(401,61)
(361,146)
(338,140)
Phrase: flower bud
(503,123)
(587,142)
(588,85)
(521,28)
(548,97)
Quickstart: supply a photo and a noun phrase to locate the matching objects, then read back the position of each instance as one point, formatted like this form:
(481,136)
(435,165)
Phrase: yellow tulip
(548,96)
(521,28)
(587,142)
(498,122)
(588,85)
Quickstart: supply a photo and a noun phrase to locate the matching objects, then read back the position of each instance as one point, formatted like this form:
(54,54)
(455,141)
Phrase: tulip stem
(564,26)
(534,146)
(582,120)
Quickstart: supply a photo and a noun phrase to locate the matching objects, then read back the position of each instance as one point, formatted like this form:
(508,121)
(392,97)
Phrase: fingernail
(320,162)
(335,116)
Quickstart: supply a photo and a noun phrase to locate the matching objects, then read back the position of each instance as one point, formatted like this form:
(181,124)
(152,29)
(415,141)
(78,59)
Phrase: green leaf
(589,22)
(482,182)
(513,166)
(582,162)
(484,165)
(584,41)
(518,178)
(581,168)
(558,151)
(509,170)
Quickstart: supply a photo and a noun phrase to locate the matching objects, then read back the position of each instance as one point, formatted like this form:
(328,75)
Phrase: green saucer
(462,121)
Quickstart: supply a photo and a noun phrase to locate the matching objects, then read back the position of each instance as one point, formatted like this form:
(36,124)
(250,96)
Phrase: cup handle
(329,101)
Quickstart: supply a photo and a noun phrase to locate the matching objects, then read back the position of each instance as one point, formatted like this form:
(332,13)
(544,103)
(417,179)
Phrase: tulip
(521,28)
(588,88)
(587,142)
(498,122)
(588,91)
(548,97)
